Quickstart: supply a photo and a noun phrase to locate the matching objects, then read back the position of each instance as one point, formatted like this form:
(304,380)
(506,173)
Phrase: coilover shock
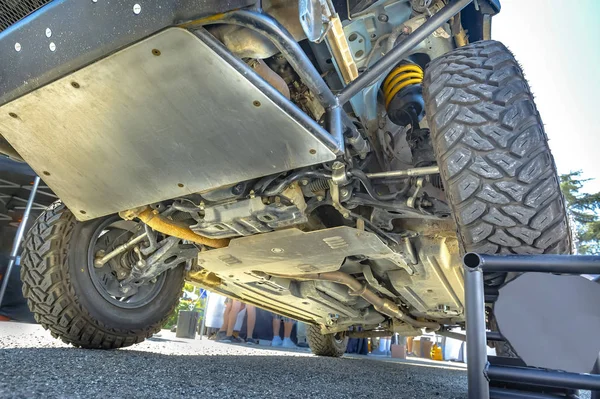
(403,94)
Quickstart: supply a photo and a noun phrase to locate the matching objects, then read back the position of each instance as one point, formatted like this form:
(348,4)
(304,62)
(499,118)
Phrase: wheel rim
(339,337)
(109,234)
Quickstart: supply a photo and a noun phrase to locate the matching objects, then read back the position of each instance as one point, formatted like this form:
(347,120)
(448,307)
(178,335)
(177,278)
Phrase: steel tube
(18,238)
(335,124)
(285,42)
(389,60)
(563,264)
(499,393)
(427,170)
(99,261)
(547,378)
(476,337)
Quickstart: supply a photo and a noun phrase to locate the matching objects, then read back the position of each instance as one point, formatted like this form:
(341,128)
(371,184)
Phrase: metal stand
(480,372)
(18,238)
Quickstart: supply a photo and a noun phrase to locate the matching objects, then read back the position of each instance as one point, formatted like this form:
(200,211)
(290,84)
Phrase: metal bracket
(169,255)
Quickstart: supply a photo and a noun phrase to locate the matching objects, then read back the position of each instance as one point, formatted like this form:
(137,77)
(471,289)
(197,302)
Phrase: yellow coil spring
(401,77)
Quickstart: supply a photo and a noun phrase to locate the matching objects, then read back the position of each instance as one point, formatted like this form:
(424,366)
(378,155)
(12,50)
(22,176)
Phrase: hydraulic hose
(357,288)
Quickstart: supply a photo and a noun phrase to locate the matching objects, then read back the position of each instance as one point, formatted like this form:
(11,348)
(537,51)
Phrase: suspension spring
(403,94)
(318,185)
(402,76)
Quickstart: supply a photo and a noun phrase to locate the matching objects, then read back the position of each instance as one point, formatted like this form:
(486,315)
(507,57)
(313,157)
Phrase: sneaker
(252,341)
(220,335)
(276,341)
(231,340)
(288,343)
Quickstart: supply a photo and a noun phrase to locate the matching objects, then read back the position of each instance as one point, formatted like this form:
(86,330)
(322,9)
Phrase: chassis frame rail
(480,372)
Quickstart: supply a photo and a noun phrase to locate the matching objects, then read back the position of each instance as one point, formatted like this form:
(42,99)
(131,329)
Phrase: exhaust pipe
(171,228)
(382,305)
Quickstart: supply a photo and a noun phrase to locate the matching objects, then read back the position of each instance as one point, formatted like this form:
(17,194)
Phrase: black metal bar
(499,393)
(494,336)
(270,91)
(18,238)
(285,42)
(476,340)
(596,370)
(564,264)
(398,53)
(547,378)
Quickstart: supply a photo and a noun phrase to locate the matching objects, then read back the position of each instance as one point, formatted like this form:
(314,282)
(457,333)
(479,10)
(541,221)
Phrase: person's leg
(276,338)
(287,328)
(222,333)
(231,318)
(288,325)
(250,323)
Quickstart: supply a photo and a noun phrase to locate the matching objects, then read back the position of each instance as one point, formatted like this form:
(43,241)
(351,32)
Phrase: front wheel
(332,345)
(81,303)
(493,154)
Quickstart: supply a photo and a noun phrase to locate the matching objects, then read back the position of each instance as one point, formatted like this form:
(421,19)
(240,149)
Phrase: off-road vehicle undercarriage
(326,160)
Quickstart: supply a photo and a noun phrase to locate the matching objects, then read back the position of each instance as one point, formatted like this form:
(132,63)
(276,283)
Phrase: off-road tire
(493,154)
(57,287)
(325,345)
(492,150)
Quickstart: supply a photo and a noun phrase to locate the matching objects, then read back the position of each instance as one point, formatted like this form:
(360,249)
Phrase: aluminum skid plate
(160,119)
(294,252)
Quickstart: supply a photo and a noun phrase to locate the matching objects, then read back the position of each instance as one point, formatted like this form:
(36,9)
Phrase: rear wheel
(332,345)
(80,303)
(493,154)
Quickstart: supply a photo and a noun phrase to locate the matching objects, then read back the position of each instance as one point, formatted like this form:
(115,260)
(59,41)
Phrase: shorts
(284,319)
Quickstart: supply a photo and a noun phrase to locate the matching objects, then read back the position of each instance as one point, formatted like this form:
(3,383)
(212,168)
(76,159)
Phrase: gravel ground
(33,364)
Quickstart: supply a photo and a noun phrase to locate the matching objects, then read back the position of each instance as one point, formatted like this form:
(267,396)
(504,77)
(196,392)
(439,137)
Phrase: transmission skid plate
(294,252)
(160,119)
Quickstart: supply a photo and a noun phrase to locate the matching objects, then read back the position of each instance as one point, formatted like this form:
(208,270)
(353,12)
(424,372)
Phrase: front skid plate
(294,252)
(163,118)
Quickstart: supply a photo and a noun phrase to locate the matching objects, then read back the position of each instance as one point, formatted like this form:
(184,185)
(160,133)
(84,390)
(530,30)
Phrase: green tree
(583,209)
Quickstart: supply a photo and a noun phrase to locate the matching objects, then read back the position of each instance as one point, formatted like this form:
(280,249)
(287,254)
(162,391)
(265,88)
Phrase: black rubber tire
(61,295)
(325,345)
(493,154)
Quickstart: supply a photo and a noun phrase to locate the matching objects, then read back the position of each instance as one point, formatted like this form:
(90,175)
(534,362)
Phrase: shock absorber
(403,94)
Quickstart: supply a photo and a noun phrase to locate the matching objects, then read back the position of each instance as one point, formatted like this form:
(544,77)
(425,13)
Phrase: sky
(557,42)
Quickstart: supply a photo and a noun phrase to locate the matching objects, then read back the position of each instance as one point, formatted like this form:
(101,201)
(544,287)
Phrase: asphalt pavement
(33,364)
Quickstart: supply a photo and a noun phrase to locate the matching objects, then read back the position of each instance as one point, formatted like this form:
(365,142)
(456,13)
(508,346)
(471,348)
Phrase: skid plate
(293,251)
(163,118)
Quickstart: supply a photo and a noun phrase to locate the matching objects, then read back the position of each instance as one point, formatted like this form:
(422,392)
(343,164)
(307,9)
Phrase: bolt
(337,165)
(304,182)
(319,198)
(17,47)
(277,250)
(122,274)
(406,30)
(48,32)
(252,195)
(201,205)
(137,9)
(344,192)
(383,18)
(52,46)
(154,280)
